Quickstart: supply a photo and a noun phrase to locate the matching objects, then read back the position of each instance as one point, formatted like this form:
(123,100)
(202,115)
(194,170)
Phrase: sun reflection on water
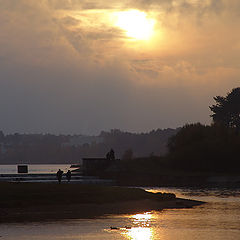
(141,229)
(142,220)
(140,233)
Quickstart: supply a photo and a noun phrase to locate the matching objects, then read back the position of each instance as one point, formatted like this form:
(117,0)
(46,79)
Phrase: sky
(82,66)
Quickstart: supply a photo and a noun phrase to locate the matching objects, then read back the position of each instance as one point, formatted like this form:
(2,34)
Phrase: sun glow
(135,24)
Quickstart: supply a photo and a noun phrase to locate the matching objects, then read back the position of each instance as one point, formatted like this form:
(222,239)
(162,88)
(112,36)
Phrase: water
(35,168)
(218,219)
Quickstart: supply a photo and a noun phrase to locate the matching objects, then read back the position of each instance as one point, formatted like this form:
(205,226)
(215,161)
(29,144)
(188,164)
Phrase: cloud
(65,67)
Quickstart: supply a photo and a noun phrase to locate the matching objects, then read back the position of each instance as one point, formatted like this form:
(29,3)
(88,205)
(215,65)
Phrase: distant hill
(49,148)
(141,144)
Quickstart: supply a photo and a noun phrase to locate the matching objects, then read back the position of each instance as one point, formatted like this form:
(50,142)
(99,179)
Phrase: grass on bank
(36,194)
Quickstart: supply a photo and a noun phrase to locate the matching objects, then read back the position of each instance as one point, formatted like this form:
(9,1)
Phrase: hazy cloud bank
(65,68)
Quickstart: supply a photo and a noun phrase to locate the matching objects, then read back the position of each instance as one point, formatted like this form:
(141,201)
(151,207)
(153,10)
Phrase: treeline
(139,144)
(196,152)
(210,148)
(196,148)
(34,148)
(49,148)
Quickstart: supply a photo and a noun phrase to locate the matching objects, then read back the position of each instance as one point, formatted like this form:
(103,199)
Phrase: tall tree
(226,111)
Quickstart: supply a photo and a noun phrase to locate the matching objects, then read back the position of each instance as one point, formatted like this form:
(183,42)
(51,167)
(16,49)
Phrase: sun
(136,24)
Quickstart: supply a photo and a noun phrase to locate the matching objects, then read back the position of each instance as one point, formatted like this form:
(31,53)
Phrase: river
(218,219)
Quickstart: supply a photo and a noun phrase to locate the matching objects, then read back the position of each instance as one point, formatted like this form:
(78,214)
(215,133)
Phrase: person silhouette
(68,175)
(112,154)
(59,175)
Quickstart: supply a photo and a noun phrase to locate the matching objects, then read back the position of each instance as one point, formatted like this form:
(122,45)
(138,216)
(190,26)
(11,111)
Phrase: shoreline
(89,211)
(34,202)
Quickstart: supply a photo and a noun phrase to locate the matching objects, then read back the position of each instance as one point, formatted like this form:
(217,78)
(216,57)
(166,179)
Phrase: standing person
(68,175)
(112,154)
(59,175)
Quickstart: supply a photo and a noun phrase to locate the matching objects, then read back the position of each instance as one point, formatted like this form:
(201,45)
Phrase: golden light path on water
(141,229)
(140,233)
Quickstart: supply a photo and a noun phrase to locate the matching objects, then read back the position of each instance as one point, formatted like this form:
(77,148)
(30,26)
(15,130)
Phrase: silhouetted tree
(226,111)
(197,147)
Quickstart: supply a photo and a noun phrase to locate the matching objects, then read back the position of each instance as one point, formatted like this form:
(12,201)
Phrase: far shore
(30,202)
